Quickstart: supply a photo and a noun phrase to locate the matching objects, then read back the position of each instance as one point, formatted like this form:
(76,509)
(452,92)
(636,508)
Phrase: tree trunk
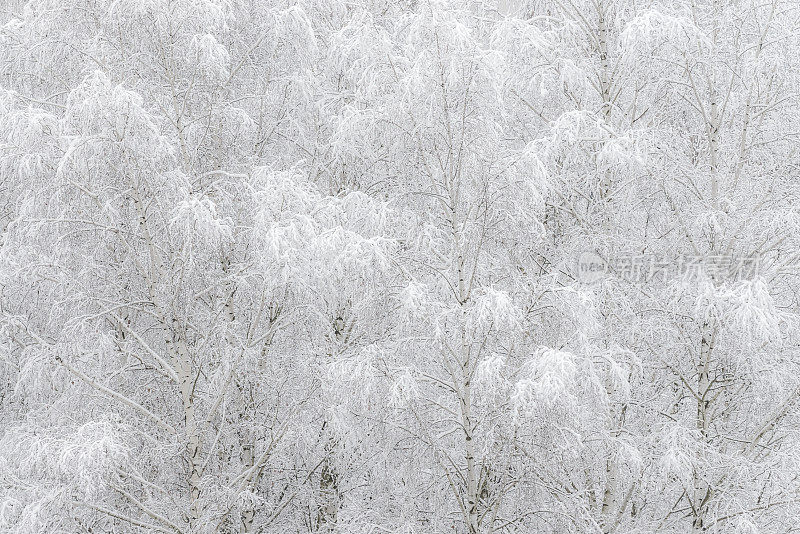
(605,87)
(186,385)
(469,453)
(701,490)
(329,491)
(248,514)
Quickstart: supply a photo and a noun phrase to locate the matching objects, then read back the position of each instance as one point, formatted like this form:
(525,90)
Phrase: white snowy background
(299,266)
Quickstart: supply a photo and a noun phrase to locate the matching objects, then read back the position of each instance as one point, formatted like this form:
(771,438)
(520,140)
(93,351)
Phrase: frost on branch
(323,241)
(355,373)
(745,307)
(414,298)
(362,52)
(27,138)
(108,121)
(678,450)
(61,465)
(192,14)
(494,309)
(197,221)
(548,380)
(404,388)
(491,375)
(653,27)
(211,57)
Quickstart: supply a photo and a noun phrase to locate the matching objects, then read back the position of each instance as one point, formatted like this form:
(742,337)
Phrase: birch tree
(308,266)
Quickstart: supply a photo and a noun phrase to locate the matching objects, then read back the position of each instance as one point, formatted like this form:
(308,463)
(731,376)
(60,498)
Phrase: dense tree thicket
(294,266)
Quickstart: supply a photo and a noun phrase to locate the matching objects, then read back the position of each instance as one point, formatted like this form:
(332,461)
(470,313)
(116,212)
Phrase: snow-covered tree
(315,266)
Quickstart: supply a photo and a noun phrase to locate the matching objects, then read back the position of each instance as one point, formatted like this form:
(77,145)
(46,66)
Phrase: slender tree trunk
(713,143)
(329,491)
(605,86)
(609,506)
(701,490)
(181,361)
(249,513)
(186,376)
(714,118)
(469,452)
(464,385)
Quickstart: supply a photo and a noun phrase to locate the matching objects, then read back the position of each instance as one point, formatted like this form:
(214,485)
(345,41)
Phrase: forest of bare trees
(399,266)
